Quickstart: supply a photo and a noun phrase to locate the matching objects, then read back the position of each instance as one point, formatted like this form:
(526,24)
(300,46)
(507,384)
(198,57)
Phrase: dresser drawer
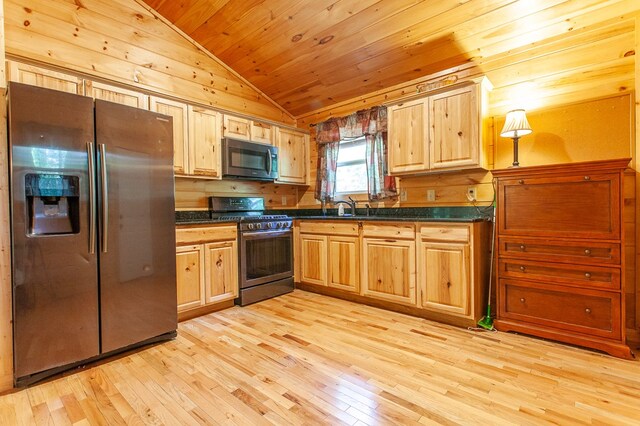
(575,251)
(329,228)
(590,312)
(559,273)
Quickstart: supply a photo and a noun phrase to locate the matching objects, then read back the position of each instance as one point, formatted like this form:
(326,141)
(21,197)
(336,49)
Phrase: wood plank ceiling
(306,55)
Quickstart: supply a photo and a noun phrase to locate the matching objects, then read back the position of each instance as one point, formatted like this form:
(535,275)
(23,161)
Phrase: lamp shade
(516,124)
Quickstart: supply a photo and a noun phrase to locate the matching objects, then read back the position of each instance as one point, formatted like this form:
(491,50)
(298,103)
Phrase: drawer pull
(587,178)
(522,300)
(522,248)
(520,181)
(587,252)
(522,268)
(588,310)
(587,275)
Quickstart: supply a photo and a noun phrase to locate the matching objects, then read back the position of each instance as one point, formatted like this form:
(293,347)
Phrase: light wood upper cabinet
(344,263)
(42,77)
(440,131)
(190,277)
(221,271)
(119,95)
(445,280)
(454,128)
(408,136)
(263,132)
(292,156)
(313,259)
(389,270)
(204,142)
(178,111)
(236,127)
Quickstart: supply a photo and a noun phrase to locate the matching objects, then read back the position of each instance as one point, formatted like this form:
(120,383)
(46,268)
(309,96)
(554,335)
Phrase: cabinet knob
(587,252)
(522,300)
(587,275)
(588,310)
(520,181)
(522,268)
(587,178)
(522,247)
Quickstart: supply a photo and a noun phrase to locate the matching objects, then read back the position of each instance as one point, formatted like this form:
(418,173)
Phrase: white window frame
(358,140)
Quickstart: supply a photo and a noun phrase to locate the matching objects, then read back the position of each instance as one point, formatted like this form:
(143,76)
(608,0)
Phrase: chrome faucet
(351,203)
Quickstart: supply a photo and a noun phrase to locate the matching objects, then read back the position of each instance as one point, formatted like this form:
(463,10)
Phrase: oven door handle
(269,161)
(265,233)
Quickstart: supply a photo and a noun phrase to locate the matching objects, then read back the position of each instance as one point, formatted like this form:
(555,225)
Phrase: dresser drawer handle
(587,252)
(522,300)
(587,275)
(588,310)
(520,181)
(522,268)
(587,178)
(522,247)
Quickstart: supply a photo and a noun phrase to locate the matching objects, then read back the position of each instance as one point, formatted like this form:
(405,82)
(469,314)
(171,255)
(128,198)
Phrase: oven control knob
(250,226)
(269,225)
(258,226)
(279,225)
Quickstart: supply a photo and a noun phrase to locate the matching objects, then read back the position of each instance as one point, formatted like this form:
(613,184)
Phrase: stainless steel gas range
(265,247)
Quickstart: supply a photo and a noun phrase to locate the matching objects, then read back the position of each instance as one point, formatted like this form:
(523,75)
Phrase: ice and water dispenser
(53,204)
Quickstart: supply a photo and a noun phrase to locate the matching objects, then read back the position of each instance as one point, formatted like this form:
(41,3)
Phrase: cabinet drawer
(583,311)
(380,230)
(329,228)
(572,275)
(205,234)
(445,232)
(561,206)
(560,250)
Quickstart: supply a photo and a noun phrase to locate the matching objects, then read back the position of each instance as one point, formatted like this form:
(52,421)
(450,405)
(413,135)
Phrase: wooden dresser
(561,253)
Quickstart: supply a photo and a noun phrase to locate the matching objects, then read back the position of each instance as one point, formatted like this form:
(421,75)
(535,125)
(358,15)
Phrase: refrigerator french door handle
(269,164)
(91,155)
(104,185)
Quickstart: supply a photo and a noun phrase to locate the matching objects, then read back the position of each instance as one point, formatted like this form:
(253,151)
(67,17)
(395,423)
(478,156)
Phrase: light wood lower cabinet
(206,266)
(434,270)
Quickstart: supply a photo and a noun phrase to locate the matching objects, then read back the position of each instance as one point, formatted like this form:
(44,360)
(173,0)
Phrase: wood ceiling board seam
(195,16)
(246,28)
(211,56)
(309,27)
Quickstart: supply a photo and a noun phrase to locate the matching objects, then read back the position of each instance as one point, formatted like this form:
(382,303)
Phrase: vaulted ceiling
(308,54)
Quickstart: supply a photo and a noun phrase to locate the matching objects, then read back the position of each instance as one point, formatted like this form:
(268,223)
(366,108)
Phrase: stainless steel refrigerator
(93,234)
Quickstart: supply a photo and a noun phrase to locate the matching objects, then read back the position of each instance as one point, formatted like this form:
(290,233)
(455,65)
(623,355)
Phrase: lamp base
(515,152)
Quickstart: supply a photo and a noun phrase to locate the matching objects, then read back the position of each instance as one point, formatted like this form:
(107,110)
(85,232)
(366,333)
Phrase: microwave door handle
(269,161)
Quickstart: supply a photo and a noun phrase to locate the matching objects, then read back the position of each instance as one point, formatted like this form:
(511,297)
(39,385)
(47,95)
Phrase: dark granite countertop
(406,214)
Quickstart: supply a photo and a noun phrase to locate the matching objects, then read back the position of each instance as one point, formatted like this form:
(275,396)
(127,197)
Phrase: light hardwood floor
(310,359)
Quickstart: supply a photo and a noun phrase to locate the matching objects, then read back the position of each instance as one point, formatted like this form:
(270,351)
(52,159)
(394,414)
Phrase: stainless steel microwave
(248,160)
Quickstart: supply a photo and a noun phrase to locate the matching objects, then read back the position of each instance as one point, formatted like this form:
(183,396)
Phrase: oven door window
(267,255)
(247,159)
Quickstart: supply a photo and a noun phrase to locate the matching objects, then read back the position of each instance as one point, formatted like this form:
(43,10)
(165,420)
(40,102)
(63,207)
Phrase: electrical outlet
(431,194)
(471,193)
(403,195)
(284,200)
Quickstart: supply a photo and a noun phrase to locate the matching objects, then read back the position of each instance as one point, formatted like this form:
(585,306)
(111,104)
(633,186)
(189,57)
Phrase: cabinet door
(236,127)
(408,136)
(292,156)
(344,263)
(221,270)
(454,133)
(262,132)
(42,77)
(389,270)
(178,111)
(204,142)
(444,277)
(313,261)
(190,277)
(116,94)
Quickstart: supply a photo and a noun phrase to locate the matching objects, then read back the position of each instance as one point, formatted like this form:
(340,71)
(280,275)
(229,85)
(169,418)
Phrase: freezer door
(55,280)
(137,238)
